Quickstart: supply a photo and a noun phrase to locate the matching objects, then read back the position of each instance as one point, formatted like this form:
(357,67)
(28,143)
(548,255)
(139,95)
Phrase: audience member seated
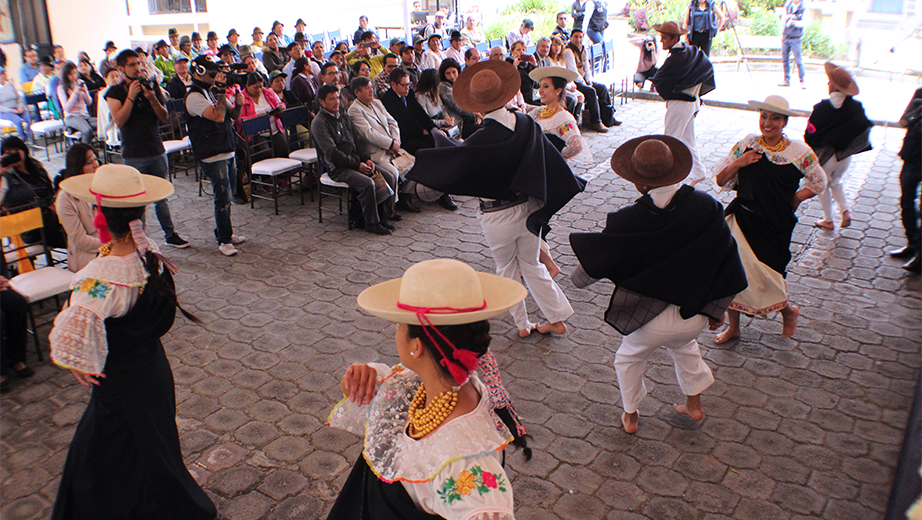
(13,107)
(302,85)
(75,100)
(427,93)
(271,58)
(89,75)
(196,49)
(343,70)
(258,43)
(561,28)
(179,84)
(295,52)
(395,45)
(25,183)
(14,310)
(471,56)
(518,102)
(76,216)
(448,73)
(278,29)
(277,84)
(419,47)
(342,47)
(360,68)
(524,63)
(259,101)
(455,50)
(369,49)
(164,60)
(45,74)
(212,45)
(227,55)
(330,75)
(597,98)
(437,26)
(29,68)
(408,63)
(382,82)
(471,35)
(233,37)
(416,126)
(147,65)
(106,128)
(185,47)
(433,56)
(346,160)
(380,132)
(175,43)
(317,58)
(254,66)
(521,34)
(108,61)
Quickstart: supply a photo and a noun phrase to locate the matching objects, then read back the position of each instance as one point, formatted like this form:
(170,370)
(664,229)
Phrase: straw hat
(652,160)
(486,86)
(669,28)
(453,292)
(776,104)
(119,186)
(552,72)
(841,79)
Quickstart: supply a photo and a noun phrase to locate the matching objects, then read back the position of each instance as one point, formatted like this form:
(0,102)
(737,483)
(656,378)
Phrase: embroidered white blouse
(107,287)
(455,471)
(797,152)
(563,125)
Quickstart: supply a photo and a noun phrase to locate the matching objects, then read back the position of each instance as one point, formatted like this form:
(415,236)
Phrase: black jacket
(411,118)
(338,142)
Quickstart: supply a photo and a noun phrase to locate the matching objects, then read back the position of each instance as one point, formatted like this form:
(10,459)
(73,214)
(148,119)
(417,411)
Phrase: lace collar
(125,271)
(795,152)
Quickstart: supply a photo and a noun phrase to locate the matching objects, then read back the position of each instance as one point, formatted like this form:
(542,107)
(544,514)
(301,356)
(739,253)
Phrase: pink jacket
(248,109)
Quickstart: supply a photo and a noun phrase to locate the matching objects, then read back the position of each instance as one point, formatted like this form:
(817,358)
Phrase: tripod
(740,56)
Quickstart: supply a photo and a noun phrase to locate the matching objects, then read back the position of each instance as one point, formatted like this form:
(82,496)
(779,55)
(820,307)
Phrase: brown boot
(598,127)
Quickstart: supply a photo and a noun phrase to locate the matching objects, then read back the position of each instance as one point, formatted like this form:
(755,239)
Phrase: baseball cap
(276,73)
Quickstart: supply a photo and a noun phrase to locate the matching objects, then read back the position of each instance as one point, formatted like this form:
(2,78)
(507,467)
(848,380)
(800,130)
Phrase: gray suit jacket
(375,124)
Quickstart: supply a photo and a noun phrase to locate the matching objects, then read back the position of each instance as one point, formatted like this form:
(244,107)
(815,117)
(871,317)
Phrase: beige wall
(85,26)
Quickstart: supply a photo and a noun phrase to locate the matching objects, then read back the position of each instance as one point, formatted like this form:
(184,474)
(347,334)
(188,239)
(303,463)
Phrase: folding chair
(482,46)
(260,157)
(35,285)
(51,131)
(338,190)
(498,41)
(297,121)
(178,146)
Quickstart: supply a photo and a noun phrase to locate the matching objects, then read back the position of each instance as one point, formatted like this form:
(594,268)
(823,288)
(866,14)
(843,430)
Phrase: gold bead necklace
(782,144)
(424,419)
(547,112)
(106,248)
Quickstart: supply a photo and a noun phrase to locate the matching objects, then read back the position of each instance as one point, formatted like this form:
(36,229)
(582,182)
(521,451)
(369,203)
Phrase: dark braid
(160,280)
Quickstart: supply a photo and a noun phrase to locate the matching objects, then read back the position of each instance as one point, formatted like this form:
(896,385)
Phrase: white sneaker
(227,249)
(235,239)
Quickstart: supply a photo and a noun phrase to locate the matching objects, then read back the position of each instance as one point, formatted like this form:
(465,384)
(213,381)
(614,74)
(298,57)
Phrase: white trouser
(835,171)
(680,123)
(515,251)
(678,336)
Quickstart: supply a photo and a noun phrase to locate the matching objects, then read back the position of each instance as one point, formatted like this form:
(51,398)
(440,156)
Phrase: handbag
(383,190)
(403,161)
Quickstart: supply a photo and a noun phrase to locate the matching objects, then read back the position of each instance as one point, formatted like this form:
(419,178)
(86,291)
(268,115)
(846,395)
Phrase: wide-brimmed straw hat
(486,86)
(118,186)
(776,104)
(652,160)
(447,292)
(669,28)
(552,72)
(841,78)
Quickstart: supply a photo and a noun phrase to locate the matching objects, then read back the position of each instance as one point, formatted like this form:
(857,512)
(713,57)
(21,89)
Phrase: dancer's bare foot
(557,327)
(552,268)
(524,333)
(846,219)
(691,408)
(825,224)
(789,316)
(629,420)
(727,335)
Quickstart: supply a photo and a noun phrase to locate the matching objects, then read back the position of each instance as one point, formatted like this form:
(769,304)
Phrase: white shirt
(502,116)
(431,60)
(517,36)
(662,195)
(456,54)
(289,69)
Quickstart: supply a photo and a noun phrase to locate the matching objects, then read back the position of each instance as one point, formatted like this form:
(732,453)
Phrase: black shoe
(406,205)
(4,386)
(914,265)
(388,225)
(903,252)
(396,217)
(615,122)
(446,202)
(177,241)
(377,229)
(23,372)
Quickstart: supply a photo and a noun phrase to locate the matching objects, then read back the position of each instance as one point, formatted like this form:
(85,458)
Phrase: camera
(9,159)
(147,83)
(233,76)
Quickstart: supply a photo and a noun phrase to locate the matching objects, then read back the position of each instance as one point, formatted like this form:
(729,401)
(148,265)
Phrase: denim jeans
(22,122)
(910,177)
(219,174)
(84,125)
(158,167)
(594,37)
(789,45)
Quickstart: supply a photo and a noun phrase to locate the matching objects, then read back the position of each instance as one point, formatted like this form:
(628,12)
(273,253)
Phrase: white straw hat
(447,292)
(118,186)
(552,72)
(776,104)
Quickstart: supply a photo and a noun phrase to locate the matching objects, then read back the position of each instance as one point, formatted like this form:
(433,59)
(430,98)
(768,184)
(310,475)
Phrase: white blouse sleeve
(474,488)
(348,416)
(737,152)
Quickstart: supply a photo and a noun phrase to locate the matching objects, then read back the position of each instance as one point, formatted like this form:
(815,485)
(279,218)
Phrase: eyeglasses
(405,85)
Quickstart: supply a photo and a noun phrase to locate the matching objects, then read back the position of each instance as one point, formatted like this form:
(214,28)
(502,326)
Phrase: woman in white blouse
(76,215)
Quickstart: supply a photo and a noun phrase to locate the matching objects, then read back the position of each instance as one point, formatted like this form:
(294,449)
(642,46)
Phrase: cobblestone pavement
(806,427)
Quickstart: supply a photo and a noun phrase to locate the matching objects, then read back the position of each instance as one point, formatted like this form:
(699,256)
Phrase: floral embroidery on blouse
(474,479)
(564,128)
(93,288)
(796,153)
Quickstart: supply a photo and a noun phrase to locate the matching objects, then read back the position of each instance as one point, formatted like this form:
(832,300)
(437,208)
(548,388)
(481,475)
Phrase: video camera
(232,75)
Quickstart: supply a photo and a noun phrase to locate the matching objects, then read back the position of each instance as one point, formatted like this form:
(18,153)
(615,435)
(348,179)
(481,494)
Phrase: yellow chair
(35,285)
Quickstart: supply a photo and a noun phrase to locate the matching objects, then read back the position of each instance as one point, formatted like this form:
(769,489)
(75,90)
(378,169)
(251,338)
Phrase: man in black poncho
(675,267)
(521,178)
(686,75)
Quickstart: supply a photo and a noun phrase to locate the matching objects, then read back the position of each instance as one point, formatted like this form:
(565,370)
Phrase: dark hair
(160,280)
(448,63)
(74,162)
(397,74)
(300,65)
(196,36)
(32,166)
(469,52)
(68,67)
(389,56)
(359,82)
(254,79)
(326,90)
(326,66)
(428,83)
(336,47)
(367,35)
(405,49)
(474,337)
(561,84)
(357,65)
(518,42)
(556,16)
(122,59)
(292,45)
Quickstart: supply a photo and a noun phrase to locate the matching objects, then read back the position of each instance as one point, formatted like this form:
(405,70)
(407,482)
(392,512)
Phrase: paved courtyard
(798,428)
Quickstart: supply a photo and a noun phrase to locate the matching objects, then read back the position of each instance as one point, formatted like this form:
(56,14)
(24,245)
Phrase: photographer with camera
(137,105)
(211,131)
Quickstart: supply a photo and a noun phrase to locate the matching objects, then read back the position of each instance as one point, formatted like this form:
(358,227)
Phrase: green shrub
(724,44)
(509,21)
(817,43)
(763,22)
(536,6)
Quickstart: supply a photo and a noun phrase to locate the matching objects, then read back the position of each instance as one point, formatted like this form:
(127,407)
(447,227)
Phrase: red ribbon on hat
(99,221)
(465,360)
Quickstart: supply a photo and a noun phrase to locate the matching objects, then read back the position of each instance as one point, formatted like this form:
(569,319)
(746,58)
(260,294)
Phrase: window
(177,6)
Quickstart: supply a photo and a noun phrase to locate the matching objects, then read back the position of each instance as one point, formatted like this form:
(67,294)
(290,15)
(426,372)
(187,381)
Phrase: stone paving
(798,428)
